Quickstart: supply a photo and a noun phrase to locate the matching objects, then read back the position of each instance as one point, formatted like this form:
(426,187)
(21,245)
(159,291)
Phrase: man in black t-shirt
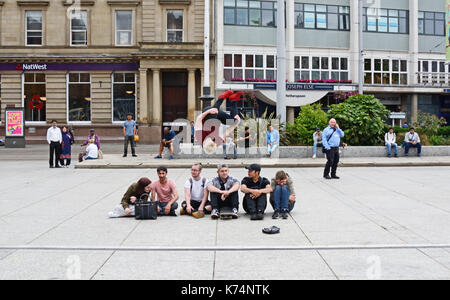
(255,189)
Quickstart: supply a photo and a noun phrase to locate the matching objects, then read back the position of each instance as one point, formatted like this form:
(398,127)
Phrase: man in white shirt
(54,139)
(196,201)
(412,139)
(390,141)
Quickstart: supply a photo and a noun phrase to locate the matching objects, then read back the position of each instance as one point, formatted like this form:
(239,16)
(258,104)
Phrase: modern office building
(403,53)
(88,63)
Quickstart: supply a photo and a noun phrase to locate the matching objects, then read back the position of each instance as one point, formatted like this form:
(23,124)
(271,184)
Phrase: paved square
(368,206)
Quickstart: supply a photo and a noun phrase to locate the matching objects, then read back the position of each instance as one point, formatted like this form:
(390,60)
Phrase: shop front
(79,94)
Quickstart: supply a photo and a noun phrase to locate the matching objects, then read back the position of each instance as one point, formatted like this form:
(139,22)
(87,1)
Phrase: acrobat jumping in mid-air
(208,125)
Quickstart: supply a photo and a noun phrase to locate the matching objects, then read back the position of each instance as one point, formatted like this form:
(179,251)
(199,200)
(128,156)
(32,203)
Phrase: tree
(362,117)
(309,118)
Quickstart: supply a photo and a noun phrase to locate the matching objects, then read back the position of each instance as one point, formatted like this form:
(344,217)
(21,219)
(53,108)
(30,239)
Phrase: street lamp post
(207,97)
(281,62)
(361,47)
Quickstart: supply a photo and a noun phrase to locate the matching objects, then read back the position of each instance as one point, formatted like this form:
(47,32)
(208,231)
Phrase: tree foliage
(310,118)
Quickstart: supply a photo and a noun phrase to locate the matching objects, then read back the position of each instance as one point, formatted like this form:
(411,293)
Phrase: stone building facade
(87,63)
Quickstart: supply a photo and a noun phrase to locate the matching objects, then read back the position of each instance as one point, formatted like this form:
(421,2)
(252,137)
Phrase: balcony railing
(433,79)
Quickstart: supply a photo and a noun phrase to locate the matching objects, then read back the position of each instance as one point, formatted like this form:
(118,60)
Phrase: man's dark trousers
(255,205)
(332,161)
(55,149)
(232,201)
(129,139)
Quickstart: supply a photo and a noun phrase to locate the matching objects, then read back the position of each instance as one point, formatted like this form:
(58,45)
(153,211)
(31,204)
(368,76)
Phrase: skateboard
(226,213)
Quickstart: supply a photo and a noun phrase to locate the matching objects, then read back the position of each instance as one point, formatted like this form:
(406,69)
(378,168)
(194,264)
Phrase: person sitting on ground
(273,140)
(196,195)
(167,141)
(137,191)
(255,189)
(166,190)
(92,135)
(224,191)
(317,138)
(390,141)
(283,197)
(412,139)
(208,131)
(90,153)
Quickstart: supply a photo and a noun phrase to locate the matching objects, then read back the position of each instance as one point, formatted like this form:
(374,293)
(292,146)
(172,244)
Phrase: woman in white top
(91,151)
(390,141)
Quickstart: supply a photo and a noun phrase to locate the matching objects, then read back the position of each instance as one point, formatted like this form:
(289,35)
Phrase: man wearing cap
(92,136)
(331,141)
(255,189)
(224,191)
(317,138)
(412,139)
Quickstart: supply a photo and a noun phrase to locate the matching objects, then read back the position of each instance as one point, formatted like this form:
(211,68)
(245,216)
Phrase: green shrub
(437,140)
(428,124)
(444,131)
(362,117)
(309,118)
(398,129)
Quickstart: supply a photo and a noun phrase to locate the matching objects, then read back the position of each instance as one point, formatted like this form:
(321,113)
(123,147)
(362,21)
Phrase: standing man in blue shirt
(129,130)
(273,140)
(331,140)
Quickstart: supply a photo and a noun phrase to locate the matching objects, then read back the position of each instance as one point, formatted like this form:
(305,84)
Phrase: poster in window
(14,123)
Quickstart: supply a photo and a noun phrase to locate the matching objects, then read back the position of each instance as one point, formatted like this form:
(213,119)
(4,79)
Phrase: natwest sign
(32,67)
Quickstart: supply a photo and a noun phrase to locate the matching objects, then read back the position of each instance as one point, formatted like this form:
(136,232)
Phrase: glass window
(431,23)
(228,60)
(79,95)
(255,17)
(249,61)
(305,62)
(268,19)
(124,27)
(34,95)
(315,63)
(259,61)
(229,16)
(335,63)
(324,62)
(344,63)
(78,21)
(321,21)
(34,28)
(124,95)
(175,26)
(229,3)
(333,21)
(238,60)
(310,20)
(270,61)
(242,16)
(384,20)
(368,64)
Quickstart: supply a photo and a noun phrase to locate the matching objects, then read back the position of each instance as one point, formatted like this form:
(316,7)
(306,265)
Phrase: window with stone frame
(78,28)
(79,97)
(34,97)
(124,27)
(33,32)
(175,26)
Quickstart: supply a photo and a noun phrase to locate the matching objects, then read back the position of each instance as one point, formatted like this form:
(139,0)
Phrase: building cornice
(33,3)
(124,2)
(78,2)
(187,2)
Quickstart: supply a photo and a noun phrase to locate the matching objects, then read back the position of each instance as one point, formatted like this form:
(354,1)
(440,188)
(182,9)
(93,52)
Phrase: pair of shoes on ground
(257,216)
(125,155)
(283,214)
(195,214)
(226,157)
(395,155)
(314,156)
(159,157)
(215,214)
(331,177)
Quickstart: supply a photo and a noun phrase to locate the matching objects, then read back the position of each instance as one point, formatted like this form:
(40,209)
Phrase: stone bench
(189,151)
